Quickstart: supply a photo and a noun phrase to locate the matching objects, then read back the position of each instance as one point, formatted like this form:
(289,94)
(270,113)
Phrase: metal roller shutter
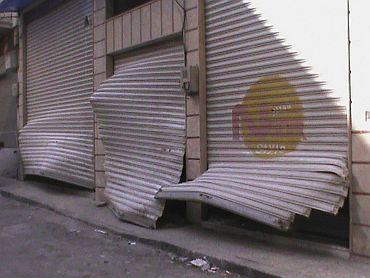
(277,140)
(57,141)
(141,116)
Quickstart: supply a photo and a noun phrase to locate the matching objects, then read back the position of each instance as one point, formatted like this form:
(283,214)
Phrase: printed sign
(270,120)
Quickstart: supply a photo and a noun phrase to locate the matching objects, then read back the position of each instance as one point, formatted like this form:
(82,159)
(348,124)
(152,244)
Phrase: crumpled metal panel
(57,141)
(141,116)
(277,140)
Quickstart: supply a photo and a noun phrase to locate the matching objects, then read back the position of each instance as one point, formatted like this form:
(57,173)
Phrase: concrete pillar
(100,74)
(196,134)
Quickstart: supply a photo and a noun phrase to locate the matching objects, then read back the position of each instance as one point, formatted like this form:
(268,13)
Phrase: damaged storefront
(57,138)
(141,116)
(238,105)
(277,138)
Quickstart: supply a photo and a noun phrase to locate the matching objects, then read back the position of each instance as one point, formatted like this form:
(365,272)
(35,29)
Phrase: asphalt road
(35,242)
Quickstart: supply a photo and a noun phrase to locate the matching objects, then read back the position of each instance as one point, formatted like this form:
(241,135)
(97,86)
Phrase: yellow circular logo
(270,119)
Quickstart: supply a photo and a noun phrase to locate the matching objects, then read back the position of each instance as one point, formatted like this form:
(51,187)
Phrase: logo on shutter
(270,120)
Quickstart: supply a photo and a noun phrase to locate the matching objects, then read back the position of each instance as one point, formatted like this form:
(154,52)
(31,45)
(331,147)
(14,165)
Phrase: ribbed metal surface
(141,116)
(57,141)
(277,140)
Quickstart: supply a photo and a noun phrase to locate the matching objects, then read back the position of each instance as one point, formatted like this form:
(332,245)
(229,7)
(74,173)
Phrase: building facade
(276,128)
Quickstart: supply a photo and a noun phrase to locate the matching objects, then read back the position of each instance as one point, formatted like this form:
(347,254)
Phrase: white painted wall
(317,30)
(360,63)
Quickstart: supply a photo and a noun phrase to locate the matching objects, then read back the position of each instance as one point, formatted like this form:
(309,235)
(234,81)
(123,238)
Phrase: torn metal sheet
(277,139)
(141,116)
(57,141)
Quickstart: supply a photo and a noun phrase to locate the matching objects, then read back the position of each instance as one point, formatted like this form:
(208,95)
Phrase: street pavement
(36,242)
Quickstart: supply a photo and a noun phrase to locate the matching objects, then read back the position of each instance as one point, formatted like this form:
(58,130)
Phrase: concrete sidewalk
(242,254)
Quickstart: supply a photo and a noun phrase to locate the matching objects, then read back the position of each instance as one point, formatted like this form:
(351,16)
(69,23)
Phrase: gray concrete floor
(35,242)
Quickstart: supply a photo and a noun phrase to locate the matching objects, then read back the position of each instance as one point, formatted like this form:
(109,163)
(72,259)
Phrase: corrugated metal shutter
(57,141)
(277,141)
(141,116)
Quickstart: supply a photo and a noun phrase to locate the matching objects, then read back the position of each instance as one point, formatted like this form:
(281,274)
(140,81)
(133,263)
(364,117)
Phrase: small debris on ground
(131,243)
(175,258)
(172,256)
(100,231)
(198,262)
(213,269)
(74,231)
(183,259)
(206,267)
